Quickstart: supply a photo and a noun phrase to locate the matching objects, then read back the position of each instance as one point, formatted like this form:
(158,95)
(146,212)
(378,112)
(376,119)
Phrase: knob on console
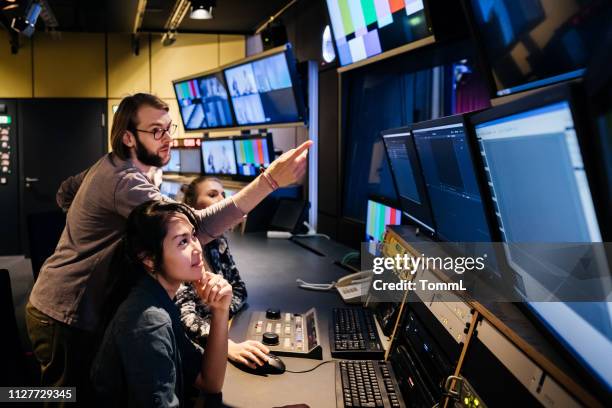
(270,339)
(273,314)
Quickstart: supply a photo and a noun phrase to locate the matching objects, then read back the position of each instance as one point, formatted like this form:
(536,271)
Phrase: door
(57,138)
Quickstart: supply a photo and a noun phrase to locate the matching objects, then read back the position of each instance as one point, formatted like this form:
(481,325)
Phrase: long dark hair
(146,229)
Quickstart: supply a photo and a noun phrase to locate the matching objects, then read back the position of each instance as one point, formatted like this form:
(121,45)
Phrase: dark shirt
(196,316)
(146,359)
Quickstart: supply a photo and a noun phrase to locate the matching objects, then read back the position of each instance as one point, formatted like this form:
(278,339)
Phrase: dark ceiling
(230,16)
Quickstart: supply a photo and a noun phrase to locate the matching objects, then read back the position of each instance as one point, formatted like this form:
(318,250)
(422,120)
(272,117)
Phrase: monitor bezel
(407,206)
(171,171)
(298,97)
(217,74)
(269,143)
(219,175)
(477,166)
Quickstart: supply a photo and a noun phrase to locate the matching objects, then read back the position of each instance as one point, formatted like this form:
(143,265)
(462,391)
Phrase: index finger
(301,148)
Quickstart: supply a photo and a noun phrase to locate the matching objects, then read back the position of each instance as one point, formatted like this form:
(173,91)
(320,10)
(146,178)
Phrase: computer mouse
(274,365)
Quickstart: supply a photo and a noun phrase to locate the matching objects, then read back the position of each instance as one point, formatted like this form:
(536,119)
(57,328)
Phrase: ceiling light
(202,9)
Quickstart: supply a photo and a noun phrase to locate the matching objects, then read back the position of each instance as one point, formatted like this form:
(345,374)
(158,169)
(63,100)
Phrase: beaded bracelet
(270,180)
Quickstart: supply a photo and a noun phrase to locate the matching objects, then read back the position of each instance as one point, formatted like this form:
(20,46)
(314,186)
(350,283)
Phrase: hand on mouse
(250,353)
(215,292)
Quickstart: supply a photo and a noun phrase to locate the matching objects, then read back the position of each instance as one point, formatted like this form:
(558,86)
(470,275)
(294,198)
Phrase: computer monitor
(174,165)
(266,91)
(365,29)
(528,44)
(218,156)
(253,153)
(534,158)
(171,189)
(450,177)
(408,177)
(203,102)
(191,160)
(380,214)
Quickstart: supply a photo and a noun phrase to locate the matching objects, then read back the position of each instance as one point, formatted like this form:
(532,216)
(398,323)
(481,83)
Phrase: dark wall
(305,22)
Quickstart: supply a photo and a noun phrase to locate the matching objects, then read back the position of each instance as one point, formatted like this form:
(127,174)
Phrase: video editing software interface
(251,155)
(219,157)
(367,28)
(262,91)
(534,165)
(451,182)
(204,102)
(407,176)
(378,217)
(535,43)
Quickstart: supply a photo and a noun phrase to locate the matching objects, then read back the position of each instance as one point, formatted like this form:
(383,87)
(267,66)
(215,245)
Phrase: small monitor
(266,91)
(450,177)
(379,216)
(408,177)
(218,157)
(530,44)
(191,160)
(252,154)
(365,29)
(174,165)
(171,189)
(204,102)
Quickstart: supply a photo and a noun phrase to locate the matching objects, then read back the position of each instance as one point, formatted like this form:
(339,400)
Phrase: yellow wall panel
(127,73)
(73,65)
(231,48)
(190,54)
(15,69)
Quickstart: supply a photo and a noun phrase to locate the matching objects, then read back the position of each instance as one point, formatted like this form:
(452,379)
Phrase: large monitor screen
(252,154)
(191,161)
(539,185)
(531,43)
(204,103)
(363,29)
(264,91)
(379,216)
(407,176)
(451,181)
(218,157)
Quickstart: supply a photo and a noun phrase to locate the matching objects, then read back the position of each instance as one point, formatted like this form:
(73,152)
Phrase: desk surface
(269,268)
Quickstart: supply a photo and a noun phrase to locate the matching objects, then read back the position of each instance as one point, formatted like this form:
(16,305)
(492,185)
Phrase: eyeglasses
(158,133)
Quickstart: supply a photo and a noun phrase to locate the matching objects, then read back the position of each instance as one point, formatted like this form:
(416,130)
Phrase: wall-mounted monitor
(174,165)
(204,102)
(218,157)
(191,160)
(364,29)
(380,214)
(528,44)
(252,154)
(408,176)
(265,89)
(450,177)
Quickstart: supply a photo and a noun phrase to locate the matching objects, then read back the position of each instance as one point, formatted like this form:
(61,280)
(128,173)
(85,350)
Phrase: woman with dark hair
(201,193)
(146,359)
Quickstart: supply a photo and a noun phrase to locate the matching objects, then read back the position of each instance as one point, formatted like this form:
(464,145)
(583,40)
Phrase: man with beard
(65,309)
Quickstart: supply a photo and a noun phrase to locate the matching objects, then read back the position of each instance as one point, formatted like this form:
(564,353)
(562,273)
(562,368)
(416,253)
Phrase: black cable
(311,369)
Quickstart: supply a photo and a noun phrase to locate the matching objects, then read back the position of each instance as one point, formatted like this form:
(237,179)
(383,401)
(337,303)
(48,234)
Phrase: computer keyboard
(367,383)
(354,335)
